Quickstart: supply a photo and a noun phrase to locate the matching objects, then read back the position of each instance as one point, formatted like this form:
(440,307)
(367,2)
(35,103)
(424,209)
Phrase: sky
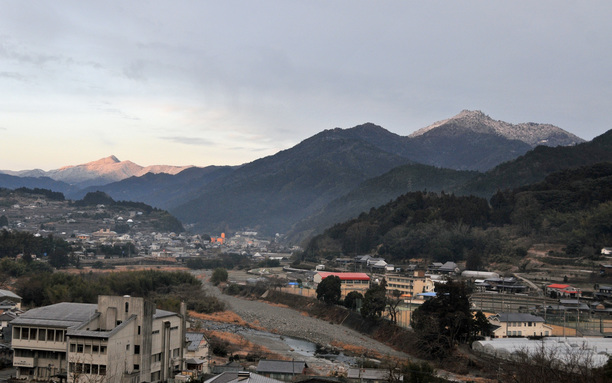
(227,82)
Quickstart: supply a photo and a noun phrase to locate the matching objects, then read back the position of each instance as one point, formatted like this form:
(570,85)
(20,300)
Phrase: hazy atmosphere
(202,83)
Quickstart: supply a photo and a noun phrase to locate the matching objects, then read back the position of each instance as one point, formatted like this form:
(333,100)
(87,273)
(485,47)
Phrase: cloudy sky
(227,82)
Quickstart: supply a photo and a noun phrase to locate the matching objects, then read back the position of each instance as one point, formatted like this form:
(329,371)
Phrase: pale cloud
(212,74)
(189,141)
(13,76)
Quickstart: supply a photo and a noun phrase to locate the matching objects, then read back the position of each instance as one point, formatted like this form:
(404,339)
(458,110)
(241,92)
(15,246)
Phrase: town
(86,341)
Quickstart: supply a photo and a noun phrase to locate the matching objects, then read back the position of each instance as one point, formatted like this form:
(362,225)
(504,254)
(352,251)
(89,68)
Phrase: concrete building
(518,325)
(410,285)
(359,282)
(119,340)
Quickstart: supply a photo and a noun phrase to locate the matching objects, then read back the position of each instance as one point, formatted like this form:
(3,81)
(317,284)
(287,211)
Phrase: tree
(219,275)
(392,303)
(4,221)
(375,301)
(445,320)
(353,300)
(330,289)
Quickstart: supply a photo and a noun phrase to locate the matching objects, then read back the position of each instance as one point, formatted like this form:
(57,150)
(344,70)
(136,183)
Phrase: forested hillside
(572,207)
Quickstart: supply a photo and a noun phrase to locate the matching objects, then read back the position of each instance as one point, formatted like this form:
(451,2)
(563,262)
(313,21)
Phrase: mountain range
(335,174)
(101,172)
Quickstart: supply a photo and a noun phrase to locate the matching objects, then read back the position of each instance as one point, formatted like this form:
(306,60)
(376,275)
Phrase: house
(285,370)
(606,251)
(241,377)
(119,339)
(504,285)
(233,366)
(370,375)
(603,292)
(605,269)
(517,324)
(348,281)
(558,290)
(443,268)
(5,318)
(196,354)
(6,295)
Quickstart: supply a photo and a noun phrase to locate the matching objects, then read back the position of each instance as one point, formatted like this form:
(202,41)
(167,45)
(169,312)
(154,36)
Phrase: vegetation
(160,219)
(353,300)
(55,250)
(572,207)
(218,276)
(330,290)
(166,289)
(375,301)
(446,320)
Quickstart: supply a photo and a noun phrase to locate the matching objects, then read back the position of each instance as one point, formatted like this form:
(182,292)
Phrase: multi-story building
(359,282)
(121,339)
(410,285)
(520,325)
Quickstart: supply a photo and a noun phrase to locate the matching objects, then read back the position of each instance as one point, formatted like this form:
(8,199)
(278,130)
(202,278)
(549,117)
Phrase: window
(103,350)
(95,349)
(42,334)
(127,307)
(79,348)
(17,333)
(136,367)
(94,369)
(137,349)
(87,368)
(25,333)
(102,369)
(33,333)
(127,347)
(87,349)
(59,335)
(138,330)
(72,347)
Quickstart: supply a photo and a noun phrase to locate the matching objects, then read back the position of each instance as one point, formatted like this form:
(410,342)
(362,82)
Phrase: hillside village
(93,227)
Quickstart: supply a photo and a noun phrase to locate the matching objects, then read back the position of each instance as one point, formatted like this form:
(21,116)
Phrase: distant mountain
(572,208)
(472,140)
(99,172)
(322,179)
(378,191)
(160,190)
(14,182)
(535,165)
(272,193)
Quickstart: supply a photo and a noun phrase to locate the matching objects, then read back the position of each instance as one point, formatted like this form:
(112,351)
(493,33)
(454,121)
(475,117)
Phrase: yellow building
(519,325)
(410,285)
(359,282)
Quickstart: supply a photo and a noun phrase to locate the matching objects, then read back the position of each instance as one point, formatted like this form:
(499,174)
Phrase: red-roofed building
(359,282)
(558,290)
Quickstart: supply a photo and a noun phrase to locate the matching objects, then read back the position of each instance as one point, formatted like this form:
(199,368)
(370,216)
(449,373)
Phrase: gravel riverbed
(289,322)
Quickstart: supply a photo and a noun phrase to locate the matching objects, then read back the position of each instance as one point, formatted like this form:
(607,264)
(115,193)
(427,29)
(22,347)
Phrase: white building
(519,325)
(121,339)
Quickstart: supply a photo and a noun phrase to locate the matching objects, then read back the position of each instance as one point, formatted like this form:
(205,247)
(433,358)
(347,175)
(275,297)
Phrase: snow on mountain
(531,133)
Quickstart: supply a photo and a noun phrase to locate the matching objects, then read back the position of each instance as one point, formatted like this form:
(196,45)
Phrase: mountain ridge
(103,171)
